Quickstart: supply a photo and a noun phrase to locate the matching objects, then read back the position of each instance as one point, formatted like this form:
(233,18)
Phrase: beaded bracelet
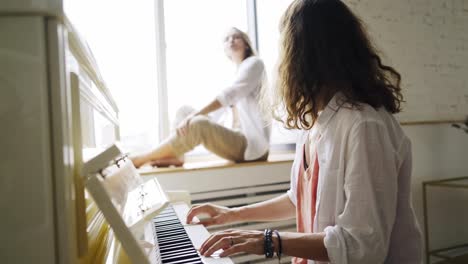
(268,243)
(279,252)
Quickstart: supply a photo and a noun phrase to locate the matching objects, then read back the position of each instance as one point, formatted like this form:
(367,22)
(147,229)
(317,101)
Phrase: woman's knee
(199,123)
(181,113)
(198,129)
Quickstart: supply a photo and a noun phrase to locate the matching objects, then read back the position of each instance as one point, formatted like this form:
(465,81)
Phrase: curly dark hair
(324,50)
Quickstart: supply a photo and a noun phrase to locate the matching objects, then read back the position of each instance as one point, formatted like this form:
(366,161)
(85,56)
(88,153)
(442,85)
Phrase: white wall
(440,151)
(427,42)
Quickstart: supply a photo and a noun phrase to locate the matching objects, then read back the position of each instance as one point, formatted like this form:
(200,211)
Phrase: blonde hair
(249,51)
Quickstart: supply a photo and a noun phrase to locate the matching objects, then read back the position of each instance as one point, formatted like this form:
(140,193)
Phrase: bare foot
(166,162)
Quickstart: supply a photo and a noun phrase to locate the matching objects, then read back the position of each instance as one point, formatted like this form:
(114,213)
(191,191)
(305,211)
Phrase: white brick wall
(427,42)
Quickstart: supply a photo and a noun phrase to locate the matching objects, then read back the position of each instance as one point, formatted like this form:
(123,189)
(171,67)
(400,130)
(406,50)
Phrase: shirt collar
(329,111)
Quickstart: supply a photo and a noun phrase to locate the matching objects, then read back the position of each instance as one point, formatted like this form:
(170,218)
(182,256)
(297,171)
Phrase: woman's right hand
(218,215)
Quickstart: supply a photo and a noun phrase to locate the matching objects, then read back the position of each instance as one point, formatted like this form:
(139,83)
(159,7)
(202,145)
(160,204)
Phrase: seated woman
(247,142)
(351,178)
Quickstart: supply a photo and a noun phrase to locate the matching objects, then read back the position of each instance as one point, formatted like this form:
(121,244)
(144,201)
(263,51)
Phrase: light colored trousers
(227,143)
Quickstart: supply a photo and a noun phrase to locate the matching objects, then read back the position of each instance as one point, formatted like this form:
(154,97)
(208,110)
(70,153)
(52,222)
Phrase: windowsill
(202,154)
(210,161)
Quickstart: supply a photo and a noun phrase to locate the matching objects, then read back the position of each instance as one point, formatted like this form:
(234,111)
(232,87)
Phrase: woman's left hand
(234,241)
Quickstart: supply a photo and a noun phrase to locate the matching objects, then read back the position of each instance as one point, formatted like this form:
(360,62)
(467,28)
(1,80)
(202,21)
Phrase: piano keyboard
(175,246)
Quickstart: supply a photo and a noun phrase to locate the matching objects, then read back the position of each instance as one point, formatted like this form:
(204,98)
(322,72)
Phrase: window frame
(161,67)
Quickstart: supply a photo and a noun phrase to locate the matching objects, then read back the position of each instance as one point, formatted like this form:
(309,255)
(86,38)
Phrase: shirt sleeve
(248,79)
(362,231)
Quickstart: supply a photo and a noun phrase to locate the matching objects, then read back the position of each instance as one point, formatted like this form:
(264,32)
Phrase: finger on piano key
(181,210)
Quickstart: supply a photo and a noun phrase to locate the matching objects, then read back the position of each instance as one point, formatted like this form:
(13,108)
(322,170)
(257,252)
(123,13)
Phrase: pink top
(307,182)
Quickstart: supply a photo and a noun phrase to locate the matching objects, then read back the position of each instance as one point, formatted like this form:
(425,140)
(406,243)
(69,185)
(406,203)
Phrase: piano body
(148,228)
(57,115)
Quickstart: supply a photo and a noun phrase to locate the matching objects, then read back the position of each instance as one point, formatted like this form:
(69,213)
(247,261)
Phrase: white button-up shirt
(244,94)
(364,188)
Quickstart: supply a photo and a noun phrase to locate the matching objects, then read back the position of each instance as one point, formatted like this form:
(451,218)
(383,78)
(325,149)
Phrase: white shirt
(244,94)
(364,189)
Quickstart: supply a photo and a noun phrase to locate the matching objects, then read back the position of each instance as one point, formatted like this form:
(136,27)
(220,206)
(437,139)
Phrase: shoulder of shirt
(358,114)
(352,117)
(253,61)
(355,116)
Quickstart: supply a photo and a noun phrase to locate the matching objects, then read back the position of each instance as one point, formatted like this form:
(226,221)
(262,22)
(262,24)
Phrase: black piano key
(178,251)
(184,247)
(169,233)
(168,225)
(181,238)
(178,238)
(185,261)
(189,261)
(166,244)
(179,257)
(165,223)
(175,247)
(168,229)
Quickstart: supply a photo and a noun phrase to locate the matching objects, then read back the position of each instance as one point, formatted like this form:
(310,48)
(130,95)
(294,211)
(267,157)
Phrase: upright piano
(148,228)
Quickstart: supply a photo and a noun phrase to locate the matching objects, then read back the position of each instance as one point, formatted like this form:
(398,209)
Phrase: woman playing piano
(246,141)
(350,181)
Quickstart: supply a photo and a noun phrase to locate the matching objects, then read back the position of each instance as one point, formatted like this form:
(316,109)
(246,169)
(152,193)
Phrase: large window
(121,35)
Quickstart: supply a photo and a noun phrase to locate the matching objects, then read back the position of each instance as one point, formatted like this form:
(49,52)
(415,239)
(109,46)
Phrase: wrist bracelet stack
(268,245)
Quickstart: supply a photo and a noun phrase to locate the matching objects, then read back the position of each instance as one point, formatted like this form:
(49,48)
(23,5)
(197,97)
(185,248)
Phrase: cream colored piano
(148,228)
